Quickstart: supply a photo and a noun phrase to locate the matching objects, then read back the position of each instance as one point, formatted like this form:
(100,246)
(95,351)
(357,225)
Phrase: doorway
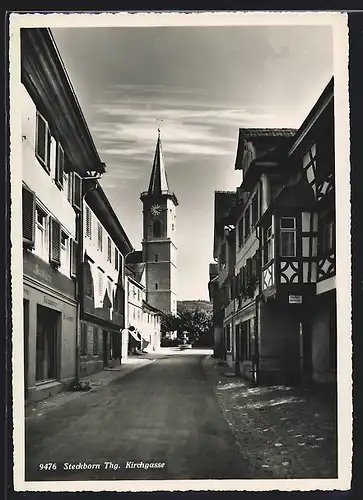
(306,350)
(237,369)
(105,348)
(47,338)
(26,345)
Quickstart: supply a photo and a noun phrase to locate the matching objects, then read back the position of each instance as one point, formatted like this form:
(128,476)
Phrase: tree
(169,323)
(197,322)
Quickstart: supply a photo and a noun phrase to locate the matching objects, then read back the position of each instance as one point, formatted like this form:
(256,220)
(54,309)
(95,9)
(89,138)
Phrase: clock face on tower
(156,209)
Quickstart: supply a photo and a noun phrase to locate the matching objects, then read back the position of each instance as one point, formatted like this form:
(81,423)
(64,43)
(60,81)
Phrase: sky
(204,83)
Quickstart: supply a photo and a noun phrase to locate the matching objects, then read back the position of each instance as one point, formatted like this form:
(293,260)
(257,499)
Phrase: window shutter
(55,242)
(28,210)
(74,248)
(76,190)
(249,271)
(254,265)
(59,166)
(70,187)
(236,286)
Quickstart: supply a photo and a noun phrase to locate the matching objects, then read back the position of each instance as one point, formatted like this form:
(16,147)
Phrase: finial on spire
(159,126)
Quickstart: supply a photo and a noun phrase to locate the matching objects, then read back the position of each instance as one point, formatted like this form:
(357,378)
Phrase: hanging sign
(295,299)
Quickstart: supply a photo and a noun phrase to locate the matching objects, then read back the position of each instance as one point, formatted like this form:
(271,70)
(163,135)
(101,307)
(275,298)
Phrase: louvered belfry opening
(28,210)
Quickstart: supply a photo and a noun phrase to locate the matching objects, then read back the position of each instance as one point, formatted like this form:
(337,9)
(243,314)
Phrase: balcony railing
(268,275)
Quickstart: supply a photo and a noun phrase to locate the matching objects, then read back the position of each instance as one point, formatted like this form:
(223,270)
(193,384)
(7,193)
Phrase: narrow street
(165,413)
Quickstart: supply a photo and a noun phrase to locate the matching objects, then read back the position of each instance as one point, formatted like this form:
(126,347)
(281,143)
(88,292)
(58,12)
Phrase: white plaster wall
(100,258)
(54,200)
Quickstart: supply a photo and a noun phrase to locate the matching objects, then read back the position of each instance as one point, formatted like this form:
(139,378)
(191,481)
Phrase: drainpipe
(79,280)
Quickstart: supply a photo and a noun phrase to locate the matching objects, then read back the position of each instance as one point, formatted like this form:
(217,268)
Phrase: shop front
(50,329)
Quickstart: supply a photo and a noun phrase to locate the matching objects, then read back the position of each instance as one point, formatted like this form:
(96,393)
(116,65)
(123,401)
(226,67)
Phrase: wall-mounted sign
(295,299)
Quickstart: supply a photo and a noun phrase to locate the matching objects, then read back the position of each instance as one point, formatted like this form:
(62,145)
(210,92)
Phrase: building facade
(105,245)
(280,322)
(143,320)
(54,161)
(159,244)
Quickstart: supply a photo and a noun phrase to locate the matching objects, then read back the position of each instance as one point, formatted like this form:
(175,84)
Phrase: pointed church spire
(158,180)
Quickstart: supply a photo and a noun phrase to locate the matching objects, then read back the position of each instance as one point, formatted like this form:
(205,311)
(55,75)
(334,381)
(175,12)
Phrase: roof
(267,132)
(152,308)
(97,200)
(265,140)
(325,98)
(134,257)
(158,179)
(44,76)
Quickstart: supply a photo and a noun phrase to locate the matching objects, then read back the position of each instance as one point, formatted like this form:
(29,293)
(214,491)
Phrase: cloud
(127,117)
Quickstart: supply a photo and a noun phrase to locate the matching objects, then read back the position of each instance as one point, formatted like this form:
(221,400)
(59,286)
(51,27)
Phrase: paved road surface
(165,413)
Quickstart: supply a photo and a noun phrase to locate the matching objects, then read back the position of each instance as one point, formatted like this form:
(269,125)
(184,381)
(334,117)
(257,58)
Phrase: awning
(135,335)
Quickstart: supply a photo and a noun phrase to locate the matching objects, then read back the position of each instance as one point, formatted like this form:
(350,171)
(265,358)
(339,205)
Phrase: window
(240,232)
(43,142)
(41,247)
(95,341)
(55,242)
(116,259)
(254,210)
(133,313)
(268,246)
(157,229)
(46,344)
(247,222)
(156,257)
(99,237)
(28,213)
(64,253)
(88,218)
(326,236)
(83,340)
(156,286)
(288,236)
(138,295)
(59,166)
(109,250)
(172,226)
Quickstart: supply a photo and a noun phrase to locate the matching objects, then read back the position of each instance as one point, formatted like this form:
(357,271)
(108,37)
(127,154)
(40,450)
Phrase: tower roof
(158,180)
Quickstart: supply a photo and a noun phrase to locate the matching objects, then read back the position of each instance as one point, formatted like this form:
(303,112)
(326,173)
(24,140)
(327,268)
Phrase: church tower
(158,244)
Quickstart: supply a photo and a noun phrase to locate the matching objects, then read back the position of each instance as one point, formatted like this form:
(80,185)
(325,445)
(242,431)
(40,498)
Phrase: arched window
(157,229)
